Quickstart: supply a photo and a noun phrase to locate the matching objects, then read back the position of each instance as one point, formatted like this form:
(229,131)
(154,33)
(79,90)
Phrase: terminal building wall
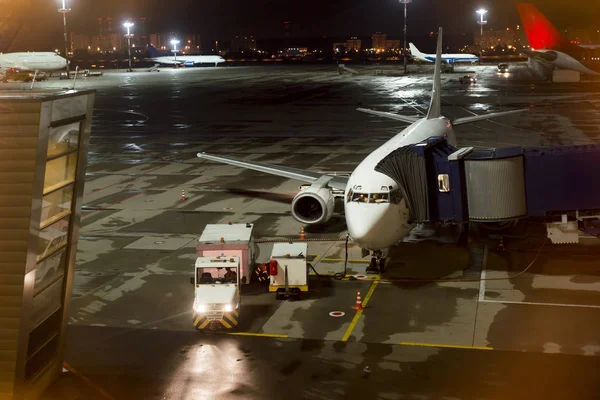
(43,153)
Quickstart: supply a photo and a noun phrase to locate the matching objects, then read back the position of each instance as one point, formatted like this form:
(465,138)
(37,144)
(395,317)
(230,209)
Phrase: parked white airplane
(449,59)
(376,213)
(31,61)
(552,47)
(183,59)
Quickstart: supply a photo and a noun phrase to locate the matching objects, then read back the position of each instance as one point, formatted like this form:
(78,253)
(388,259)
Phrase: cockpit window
(360,197)
(379,198)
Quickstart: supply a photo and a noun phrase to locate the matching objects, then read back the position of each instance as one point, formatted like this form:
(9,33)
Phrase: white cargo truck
(288,269)
(230,240)
(217,297)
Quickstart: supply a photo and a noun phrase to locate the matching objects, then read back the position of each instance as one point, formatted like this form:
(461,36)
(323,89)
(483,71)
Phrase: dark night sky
(222,19)
(264,18)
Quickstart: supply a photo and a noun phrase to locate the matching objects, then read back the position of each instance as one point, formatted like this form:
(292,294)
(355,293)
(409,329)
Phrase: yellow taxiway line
(449,346)
(271,335)
(88,381)
(359,312)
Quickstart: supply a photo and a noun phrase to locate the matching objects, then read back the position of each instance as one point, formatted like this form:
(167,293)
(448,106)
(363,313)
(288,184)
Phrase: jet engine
(313,205)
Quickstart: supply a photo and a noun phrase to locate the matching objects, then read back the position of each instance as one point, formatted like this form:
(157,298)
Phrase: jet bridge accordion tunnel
(443,184)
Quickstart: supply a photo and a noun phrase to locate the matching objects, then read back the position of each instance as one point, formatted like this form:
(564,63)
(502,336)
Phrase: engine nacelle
(313,206)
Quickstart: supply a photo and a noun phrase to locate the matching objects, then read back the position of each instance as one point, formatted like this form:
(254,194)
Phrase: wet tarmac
(431,329)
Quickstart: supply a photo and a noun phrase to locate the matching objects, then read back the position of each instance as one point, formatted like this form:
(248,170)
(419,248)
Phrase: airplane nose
(367,227)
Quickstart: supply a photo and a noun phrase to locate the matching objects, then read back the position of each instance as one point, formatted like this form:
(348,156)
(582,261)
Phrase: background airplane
(449,59)
(549,46)
(31,61)
(182,59)
(377,212)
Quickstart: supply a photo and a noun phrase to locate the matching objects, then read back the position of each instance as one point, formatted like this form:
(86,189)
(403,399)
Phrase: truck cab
(216,292)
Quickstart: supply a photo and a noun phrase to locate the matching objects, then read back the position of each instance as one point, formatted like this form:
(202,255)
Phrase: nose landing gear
(377,264)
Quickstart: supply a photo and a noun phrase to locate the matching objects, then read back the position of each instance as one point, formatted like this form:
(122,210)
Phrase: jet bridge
(443,184)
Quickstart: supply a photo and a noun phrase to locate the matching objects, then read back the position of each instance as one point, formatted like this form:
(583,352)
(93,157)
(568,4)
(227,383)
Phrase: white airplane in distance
(449,59)
(377,215)
(30,61)
(183,59)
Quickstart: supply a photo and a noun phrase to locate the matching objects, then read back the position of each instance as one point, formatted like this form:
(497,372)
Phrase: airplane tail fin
(153,52)
(435,107)
(539,31)
(413,50)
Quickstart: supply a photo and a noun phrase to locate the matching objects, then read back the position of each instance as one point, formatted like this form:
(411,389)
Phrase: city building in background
(392,45)
(240,43)
(339,47)
(514,37)
(109,37)
(378,41)
(191,43)
(583,35)
(353,44)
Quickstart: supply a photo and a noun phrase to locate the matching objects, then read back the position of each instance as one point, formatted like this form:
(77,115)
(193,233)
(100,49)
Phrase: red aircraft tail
(540,32)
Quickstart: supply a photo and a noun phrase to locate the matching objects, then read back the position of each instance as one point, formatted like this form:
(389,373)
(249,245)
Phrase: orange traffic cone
(183,195)
(358,305)
(302,236)
(500,245)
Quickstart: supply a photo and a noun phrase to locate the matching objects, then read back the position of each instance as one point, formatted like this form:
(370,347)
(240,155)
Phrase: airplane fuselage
(379,225)
(31,61)
(450,58)
(171,60)
(560,60)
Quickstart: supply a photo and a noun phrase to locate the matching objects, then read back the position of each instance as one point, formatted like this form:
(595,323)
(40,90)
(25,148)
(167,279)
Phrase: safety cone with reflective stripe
(183,197)
(358,305)
(302,236)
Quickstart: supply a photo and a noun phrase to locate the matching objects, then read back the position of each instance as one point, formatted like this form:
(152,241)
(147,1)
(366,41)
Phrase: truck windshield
(212,276)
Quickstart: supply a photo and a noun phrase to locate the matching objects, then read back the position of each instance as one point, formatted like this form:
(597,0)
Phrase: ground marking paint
(88,381)
(449,346)
(483,273)
(271,335)
(359,312)
(532,303)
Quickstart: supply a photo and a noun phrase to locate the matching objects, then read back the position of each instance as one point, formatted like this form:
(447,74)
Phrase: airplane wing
(403,118)
(473,118)
(337,182)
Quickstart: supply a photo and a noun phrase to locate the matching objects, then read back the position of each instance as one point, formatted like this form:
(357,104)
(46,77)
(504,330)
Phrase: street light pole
(129,35)
(405,2)
(481,22)
(174,42)
(64,10)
